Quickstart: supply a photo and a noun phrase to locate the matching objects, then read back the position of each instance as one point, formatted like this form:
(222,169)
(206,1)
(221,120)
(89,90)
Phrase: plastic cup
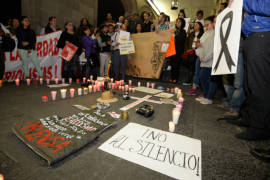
(53,95)
(44,98)
(63,93)
(85,91)
(28,81)
(17,82)
(139,84)
(56,80)
(147,84)
(40,81)
(79,91)
(130,82)
(72,92)
(153,85)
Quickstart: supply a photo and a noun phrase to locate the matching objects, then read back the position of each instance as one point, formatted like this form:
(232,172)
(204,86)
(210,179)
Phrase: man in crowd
(118,60)
(109,19)
(256,111)
(199,17)
(6,44)
(104,42)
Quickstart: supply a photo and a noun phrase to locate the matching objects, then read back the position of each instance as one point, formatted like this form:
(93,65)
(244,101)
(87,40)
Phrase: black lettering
(160,153)
(140,144)
(145,132)
(120,140)
(195,162)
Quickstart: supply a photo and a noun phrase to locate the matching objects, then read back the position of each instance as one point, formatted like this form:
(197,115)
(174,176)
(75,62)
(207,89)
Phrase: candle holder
(53,95)
(72,92)
(63,93)
(175,115)
(171,126)
(79,91)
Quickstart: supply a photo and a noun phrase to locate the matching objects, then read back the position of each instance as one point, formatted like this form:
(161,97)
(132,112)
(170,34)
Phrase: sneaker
(200,99)
(206,101)
(191,92)
(187,83)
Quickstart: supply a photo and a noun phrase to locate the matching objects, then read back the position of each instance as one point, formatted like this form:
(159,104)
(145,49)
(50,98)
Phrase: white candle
(147,84)
(139,84)
(153,85)
(79,91)
(111,80)
(85,91)
(91,77)
(179,94)
(63,93)
(63,80)
(90,88)
(175,115)
(84,80)
(70,80)
(171,126)
(53,95)
(130,82)
(48,81)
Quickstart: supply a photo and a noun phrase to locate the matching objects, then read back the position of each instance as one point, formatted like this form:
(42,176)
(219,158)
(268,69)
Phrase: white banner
(227,39)
(168,153)
(48,55)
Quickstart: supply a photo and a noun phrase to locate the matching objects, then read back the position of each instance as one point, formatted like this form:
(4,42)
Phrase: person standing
(119,59)
(256,27)
(146,26)
(27,46)
(90,46)
(205,51)
(104,42)
(69,35)
(162,26)
(180,38)
(6,44)
(51,26)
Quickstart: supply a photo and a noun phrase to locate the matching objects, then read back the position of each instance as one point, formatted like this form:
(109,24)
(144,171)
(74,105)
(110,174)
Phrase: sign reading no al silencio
(168,153)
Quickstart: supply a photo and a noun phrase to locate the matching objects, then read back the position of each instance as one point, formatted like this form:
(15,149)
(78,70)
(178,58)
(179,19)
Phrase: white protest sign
(187,24)
(171,154)
(227,39)
(126,44)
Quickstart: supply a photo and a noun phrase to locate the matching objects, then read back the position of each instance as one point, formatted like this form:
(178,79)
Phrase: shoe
(261,154)
(231,114)
(238,122)
(191,92)
(187,83)
(249,135)
(200,99)
(206,102)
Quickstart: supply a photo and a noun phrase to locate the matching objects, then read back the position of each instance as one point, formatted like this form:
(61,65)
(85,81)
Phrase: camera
(145,110)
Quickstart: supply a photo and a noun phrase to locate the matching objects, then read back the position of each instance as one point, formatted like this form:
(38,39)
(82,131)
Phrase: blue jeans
(196,80)
(235,93)
(209,87)
(119,60)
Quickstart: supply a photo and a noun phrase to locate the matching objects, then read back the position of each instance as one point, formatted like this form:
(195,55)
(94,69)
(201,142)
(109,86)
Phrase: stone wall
(69,10)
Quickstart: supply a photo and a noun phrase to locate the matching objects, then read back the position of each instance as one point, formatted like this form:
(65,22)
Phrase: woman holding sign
(70,68)
(27,46)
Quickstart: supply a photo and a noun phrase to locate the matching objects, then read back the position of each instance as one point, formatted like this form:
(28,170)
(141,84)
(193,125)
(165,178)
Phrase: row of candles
(176,112)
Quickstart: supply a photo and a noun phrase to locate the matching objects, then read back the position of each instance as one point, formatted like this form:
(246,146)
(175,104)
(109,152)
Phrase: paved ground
(223,156)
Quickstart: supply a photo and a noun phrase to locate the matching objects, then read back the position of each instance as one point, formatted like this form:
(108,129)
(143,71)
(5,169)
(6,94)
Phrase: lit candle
(44,98)
(53,95)
(90,89)
(78,81)
(85,91)
(84,80)
(56,80)
(17,82)
(102,86)
(139,84)
(179,94)
(70,80)
(133,90)
(28,81)
(172,90)
(123,88)
(1,83)
(179,106)
(130,82)
(48,81)
(41,81)
(79,91)
(63,93)
(176,90)
(126,87)
(95,88)
(171,126)
(72,92)
(111,80)
(91,77)
(175,115)
(113,86)
(168,89)
(147,84)
(63,80)
(130,89)
(98,87)
(153,85)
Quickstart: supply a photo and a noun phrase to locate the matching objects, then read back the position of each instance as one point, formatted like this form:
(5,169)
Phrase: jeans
(209,87)
(25,56)
(104,63)
(235,93)
(196,80)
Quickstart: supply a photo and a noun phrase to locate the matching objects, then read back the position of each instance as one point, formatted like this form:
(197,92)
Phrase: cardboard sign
(148,59)
(227,39)
(127,47)
(171,154)
(54,138)
(69,51)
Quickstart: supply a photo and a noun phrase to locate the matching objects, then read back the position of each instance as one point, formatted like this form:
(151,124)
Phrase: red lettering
(60,146)
(8,75)
(45,48)
(18,74)
(33,126)
(18,56)
(50,72)
(50,53)
(39,47)
(12,58)
(56,50)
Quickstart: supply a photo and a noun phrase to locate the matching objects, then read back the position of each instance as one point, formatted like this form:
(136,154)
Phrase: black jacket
(72,38)
(180,38)
(27,35)
(146,27)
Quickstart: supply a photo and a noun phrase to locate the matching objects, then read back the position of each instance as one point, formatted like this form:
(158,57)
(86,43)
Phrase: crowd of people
(194,51)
